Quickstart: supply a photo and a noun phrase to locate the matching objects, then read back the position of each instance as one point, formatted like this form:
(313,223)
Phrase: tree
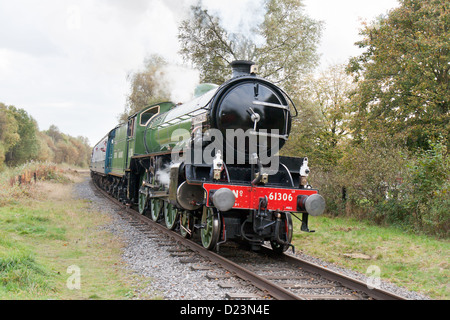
(403,75)
(206,45)
(9,135)
(27,147)
(54,133)
(21,141)
(324,116)
(46,147)
(291,43)
(145,87)
(288,52)
(62,148)
(331,92)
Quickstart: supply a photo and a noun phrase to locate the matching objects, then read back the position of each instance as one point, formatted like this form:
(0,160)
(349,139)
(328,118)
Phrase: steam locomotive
(210,167)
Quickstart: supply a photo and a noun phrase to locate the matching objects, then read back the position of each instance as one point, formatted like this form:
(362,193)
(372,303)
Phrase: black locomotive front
(251,193)
(253,105)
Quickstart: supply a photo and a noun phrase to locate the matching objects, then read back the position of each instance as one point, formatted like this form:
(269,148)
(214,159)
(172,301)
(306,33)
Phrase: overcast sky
(65,61)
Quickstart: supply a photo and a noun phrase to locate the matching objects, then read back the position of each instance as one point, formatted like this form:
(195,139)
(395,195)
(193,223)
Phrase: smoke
(163,176)
(238,16)
(159,21)
(135,6)
(178,82)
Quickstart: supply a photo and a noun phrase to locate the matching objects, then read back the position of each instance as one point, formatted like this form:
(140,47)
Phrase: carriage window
(147,115)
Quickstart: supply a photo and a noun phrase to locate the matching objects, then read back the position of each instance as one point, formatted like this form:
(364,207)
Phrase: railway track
(280,277)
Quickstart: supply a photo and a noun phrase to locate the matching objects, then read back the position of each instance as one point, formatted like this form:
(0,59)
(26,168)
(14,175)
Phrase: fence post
(344,194)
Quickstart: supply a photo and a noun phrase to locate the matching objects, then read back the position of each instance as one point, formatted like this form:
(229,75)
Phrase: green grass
(415,262)
(34,222)
(42,236)
(19,271)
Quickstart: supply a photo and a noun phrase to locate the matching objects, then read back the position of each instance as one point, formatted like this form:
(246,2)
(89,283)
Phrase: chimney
(243,68)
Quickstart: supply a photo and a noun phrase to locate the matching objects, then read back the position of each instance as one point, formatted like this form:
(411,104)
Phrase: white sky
(65,61)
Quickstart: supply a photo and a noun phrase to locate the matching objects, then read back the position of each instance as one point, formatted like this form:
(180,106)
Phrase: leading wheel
(210,231)
(286,230)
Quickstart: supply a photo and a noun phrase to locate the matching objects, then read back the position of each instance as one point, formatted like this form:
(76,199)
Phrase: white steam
(163,177)
(178,82)
(238,16)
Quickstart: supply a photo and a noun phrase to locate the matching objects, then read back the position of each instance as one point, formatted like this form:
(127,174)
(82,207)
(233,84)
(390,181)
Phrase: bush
(426,192)
(369,173)
(11,190)
(387,185)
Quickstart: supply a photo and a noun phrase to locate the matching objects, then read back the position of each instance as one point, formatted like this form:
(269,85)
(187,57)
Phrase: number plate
(248,197)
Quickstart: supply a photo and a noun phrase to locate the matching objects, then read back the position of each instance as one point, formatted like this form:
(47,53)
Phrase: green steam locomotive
(210,167)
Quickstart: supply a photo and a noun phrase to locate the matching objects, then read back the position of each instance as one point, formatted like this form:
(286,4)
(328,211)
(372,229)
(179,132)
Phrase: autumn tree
(63,148)
(324,117)
(46,147)
(27,146)
(403,75)
(54,133)
(145,89)
(287,53)
(82,151)
(21,141)
(290,50)
(9,135)
(206,44)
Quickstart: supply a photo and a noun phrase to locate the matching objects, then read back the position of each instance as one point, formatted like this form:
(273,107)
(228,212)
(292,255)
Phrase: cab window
(148,115)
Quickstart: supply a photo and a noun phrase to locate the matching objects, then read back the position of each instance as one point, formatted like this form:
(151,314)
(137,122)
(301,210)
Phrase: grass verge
(418,263)
(52,246)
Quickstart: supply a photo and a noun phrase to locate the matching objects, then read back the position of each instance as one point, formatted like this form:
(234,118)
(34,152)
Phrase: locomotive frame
(152,161)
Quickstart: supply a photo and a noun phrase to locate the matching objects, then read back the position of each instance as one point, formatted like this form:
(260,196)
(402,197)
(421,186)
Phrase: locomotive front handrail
(271,135)
(268,104)
(292,102)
